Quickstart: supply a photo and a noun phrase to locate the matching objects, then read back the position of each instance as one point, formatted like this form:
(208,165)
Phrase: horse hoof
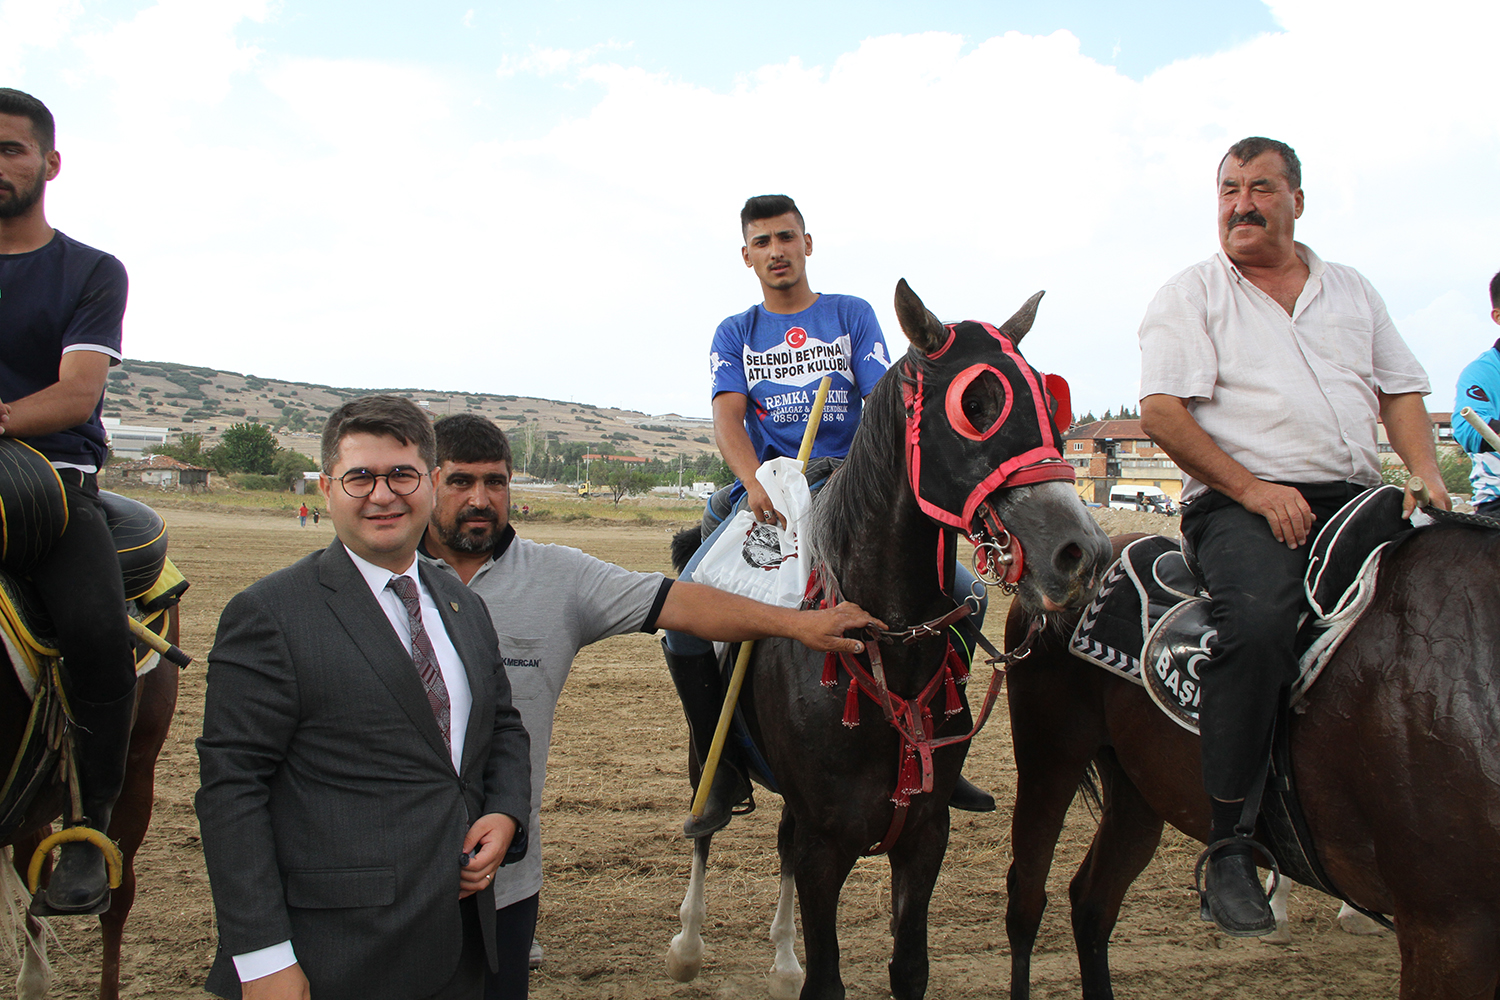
(1354,922)
(784,985)
(1281,935)
(684,963)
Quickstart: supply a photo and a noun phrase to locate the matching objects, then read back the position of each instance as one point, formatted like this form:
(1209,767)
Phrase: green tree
(623,482)
(246,448)
(289,466)
(189,449)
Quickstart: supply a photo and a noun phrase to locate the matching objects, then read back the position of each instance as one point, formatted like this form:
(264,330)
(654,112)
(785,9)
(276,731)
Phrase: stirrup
(113,863)
(1207,852)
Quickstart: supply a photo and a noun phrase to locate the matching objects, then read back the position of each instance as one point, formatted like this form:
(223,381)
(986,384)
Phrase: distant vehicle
(705,494)
(584,489)
(1143,498)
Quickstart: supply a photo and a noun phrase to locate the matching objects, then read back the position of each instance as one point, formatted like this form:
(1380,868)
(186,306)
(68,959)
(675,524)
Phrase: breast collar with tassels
(951,463)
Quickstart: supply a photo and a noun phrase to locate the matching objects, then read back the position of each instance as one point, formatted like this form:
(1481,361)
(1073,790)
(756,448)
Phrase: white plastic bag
(762,560)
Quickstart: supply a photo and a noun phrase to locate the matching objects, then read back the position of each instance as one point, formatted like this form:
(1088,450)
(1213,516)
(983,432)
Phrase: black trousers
(79,582)
(1255,583)
(515,926)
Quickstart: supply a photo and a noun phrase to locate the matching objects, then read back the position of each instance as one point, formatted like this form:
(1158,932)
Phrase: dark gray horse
(959,436)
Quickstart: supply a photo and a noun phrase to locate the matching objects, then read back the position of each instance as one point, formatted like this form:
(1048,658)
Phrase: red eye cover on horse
(954,464)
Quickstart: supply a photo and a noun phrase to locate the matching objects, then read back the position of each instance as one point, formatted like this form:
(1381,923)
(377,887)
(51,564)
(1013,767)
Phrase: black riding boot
(967,795)
(1232,895)
(697,681)
(101,740)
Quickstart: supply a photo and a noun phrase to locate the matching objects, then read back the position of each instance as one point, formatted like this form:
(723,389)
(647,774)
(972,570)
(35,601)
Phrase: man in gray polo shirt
(1263,372)
(549,601)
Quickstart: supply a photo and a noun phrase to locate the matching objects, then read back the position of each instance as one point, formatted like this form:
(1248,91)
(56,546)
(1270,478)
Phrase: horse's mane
(860,493)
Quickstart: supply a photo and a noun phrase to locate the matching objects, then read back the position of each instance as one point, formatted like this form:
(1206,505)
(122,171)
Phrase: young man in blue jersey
(1479,389)
(61,308)
(765,366)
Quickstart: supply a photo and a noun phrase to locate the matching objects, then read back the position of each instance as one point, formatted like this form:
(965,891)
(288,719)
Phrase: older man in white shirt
(1264,371)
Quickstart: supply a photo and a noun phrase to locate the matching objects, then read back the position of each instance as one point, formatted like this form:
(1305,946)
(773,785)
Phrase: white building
(132,440)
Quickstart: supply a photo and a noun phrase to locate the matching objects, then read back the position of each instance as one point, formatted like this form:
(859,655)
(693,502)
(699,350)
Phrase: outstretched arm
(1167,420)
(719,616)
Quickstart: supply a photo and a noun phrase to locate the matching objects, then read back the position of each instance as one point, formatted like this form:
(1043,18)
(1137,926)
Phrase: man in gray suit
(363,771)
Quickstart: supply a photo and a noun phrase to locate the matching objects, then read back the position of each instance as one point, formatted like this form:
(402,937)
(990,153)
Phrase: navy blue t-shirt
(64,297)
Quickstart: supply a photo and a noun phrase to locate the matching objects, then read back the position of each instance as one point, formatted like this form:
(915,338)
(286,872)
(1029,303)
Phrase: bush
(252,481)
(1453,463)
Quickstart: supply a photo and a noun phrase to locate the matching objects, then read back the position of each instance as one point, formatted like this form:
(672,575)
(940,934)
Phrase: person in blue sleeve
(62,305)
(1479,389)
(765,366)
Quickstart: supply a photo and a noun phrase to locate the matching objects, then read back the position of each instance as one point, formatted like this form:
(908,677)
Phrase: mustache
(478,514)
(1251,217)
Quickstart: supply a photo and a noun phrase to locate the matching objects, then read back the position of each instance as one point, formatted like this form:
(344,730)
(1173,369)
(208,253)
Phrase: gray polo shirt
(548,602)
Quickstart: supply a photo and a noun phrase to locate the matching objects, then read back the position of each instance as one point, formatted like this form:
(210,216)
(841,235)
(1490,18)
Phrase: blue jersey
(1479,389)
(778,359)
(63,297)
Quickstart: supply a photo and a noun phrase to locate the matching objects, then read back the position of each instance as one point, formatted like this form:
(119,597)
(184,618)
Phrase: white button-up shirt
(1292,398)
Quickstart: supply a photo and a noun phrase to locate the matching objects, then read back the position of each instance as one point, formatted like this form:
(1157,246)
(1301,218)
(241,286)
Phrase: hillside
(184,398)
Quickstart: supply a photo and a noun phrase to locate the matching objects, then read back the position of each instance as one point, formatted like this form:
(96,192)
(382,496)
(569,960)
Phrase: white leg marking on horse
(35,977)
(786,972)
(1354,922)
(685,956)
(1283,932)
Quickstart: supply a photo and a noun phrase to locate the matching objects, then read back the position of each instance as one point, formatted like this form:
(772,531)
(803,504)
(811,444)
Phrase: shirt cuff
(260,963)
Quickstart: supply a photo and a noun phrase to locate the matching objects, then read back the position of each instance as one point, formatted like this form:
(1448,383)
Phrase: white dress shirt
(255,964)
(1291,397)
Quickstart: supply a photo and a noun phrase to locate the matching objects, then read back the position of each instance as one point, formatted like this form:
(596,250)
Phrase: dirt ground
(617,866)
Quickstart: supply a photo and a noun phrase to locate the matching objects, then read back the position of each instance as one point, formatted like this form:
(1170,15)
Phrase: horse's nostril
(1069,555)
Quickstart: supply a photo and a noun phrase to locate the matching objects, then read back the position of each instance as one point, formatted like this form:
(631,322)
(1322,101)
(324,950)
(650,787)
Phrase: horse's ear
(920,326)
(1020,324)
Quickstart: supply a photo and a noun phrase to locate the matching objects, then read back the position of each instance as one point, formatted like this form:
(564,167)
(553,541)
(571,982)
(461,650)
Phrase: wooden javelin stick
(1484,429)
(737,679)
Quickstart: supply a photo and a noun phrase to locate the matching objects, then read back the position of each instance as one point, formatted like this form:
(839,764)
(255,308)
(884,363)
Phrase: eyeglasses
(360,483)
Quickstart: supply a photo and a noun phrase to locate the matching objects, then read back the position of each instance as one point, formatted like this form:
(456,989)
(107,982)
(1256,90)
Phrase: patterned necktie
(423,656)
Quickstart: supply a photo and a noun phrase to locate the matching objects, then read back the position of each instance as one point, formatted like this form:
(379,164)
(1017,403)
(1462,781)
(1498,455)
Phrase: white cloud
(176,52)
(542,61)
(32,24)
(363,227)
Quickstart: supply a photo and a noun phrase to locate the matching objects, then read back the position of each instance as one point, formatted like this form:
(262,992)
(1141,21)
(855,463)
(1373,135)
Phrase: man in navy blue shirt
(61,307)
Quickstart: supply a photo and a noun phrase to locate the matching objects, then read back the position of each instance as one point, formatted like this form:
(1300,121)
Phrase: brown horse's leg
(132,813)
(1052,745)
(1128,833)
(821,867)
(915,860)
(1452,956)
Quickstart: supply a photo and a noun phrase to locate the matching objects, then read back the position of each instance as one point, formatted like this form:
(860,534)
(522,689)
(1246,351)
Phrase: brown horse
(1397,758)
(155,703)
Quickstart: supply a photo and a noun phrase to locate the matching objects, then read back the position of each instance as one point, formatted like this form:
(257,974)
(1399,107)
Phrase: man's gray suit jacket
(330,811)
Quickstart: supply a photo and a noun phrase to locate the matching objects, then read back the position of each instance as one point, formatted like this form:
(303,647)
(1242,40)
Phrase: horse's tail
(684,544)
(1088,785)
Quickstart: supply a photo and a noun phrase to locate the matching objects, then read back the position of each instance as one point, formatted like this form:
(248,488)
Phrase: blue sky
(541,198)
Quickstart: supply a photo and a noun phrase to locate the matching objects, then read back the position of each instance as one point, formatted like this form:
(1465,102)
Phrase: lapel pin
(453,605)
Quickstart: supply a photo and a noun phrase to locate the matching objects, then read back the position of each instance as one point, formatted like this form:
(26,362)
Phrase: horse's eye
(978,402)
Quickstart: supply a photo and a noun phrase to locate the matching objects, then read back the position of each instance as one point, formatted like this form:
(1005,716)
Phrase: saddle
(151,582)
(1150,623)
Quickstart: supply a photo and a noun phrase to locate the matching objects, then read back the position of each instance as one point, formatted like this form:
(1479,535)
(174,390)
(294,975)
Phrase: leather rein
(912,718)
